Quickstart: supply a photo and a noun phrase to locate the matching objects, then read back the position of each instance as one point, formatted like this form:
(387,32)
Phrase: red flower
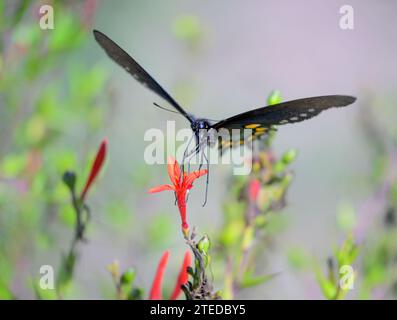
(183,275)
(96,167)
(155,292)
(181,184)
(253,189)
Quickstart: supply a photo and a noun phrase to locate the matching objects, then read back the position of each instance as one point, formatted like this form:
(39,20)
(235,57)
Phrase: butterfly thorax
(200,128)
(200,124)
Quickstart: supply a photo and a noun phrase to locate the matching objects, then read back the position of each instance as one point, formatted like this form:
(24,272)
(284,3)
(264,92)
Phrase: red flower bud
(183,275)
(253,189)
(155,292)
(95,169)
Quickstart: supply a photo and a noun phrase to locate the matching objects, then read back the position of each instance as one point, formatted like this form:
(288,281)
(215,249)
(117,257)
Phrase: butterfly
(260,121)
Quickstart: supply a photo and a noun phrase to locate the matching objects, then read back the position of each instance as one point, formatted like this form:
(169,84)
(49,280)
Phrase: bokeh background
(60,95)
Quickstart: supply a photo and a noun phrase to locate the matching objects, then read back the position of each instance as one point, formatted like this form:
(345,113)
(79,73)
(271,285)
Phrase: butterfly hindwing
(283,113)
(264,119)
(254,133)
(124,60)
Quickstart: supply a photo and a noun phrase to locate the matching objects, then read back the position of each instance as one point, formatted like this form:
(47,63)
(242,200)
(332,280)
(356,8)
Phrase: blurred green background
(60,95)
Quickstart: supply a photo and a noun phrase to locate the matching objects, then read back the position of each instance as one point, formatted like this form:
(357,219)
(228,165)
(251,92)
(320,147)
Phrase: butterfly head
(200,124)
(200,128)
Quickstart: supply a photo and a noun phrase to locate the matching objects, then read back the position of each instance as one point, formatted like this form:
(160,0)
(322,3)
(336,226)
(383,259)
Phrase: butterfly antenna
(163,108)
(173,111)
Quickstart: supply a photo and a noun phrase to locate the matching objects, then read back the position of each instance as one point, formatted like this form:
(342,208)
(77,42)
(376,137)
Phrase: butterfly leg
(188,158)
(192,154)
(185,153)
(208,174)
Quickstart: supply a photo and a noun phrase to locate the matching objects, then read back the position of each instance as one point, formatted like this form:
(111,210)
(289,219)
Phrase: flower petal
(174,171)
(183,275)
(181,200)
(163,187)
(189,179)
(155,292)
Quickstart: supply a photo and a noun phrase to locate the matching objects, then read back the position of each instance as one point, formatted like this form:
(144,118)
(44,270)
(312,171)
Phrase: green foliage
(346,217)
(199,286)
(160,230)
(39,103)
(125,282)
(250,280)
(298,258)
(251,212)
(274,98)
(52,98)
(188,28)
(119,216)
(330,284)
(379,263)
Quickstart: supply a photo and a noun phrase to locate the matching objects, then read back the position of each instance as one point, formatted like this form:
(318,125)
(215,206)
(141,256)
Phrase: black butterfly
(259,120)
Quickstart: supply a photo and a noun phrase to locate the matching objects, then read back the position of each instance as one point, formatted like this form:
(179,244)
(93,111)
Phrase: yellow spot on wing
(260,130)
(252,126)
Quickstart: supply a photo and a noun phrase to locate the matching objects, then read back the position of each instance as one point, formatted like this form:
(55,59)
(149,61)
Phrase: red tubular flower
(155,292)
(183,275)
(96,167)
(253,189)
(180,185)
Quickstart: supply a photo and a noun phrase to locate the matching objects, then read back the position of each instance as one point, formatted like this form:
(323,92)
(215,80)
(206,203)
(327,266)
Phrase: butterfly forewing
(123,59)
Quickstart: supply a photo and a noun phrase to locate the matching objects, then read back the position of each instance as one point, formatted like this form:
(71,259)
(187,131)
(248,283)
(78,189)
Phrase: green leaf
(204,245)
(26,36)
(67,33)
(68,216)
(13,165)
(86,85)
(43,294)
(128,276)
(347,253)
(248,237)
(234,210)
(274,98)
(63,160)
(35,129)
(65,275)
(160,230)
(346,217)
(119,215)
(298,258)
(5,293)
(276,224)
(250,281)
(187,27)
(231,233)
(327,287)
(136,294)
(43,241)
